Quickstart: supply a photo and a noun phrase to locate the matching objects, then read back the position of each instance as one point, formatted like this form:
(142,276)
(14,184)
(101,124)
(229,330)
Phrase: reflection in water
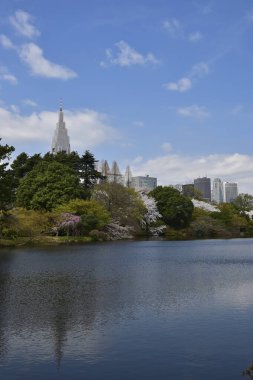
(5,260)
(136,310)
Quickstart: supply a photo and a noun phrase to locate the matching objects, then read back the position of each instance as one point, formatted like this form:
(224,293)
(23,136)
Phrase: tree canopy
(123,204)
(244,202)
(6,182)
(48,185)
(175,208)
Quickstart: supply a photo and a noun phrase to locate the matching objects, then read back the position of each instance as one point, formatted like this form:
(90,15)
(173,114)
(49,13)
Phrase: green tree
(21,166)
(48,185)
(93,214)
(6,180)
(87,171)
(244,202)
(123,204)
(229,215)
(72,160)
(175,208)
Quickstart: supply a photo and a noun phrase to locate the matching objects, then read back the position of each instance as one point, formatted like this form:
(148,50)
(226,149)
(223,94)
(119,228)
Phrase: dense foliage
(48,185)
(6,183)
(124,205)
(63,195)
(175,208)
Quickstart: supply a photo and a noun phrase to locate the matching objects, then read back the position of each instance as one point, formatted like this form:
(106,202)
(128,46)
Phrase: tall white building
(60,141)
(218,193)
(230,191)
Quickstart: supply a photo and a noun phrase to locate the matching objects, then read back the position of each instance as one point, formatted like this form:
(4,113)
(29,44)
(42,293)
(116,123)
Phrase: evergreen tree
(72,160)
(6,181)
(21,166)
(87,171)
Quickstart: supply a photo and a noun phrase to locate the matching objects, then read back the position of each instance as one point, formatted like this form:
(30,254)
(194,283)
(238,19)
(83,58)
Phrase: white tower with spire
(60,141)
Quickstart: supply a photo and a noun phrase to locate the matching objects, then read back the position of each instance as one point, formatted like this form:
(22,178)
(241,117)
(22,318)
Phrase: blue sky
(165,86)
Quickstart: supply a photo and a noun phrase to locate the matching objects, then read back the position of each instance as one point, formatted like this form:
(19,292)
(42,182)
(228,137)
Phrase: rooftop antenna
(60,104)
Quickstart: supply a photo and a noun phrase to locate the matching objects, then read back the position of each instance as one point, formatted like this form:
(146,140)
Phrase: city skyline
(164,88)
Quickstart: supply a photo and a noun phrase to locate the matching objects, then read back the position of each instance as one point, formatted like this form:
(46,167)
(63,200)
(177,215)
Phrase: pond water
(127,310)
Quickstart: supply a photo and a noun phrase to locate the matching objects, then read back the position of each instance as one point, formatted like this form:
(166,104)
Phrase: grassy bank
(44,241)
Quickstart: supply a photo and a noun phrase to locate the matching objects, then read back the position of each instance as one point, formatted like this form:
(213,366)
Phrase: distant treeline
(62,197)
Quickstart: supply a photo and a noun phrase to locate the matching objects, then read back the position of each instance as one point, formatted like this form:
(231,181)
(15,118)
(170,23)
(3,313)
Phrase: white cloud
(87,128)
(199,70)
(193,111)
(173,169)
(176,29)
(14,108)
(127,56)
(183,85)
(32,55)
(166,147)
(173,27)
(6,42)
(6,76)
(137,160)
(195,37)
(22,22)
(29,102)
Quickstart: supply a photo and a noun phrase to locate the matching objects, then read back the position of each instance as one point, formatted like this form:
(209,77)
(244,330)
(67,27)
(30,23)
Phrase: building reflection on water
(53,305)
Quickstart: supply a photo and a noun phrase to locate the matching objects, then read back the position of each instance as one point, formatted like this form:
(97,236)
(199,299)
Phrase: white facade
(218,193)
(60,141)
(230,191)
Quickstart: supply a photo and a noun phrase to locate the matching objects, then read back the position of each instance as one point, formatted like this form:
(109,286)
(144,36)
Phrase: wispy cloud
(166,147)
(193,111)
(195,37)
(33,56)
(6,76)
(30,53)
(29,103)
(199,70)
(88,128)
(173,27)
(6,42)
(176,30)
(183,85)
(126,56)
(23,24)
(204,7)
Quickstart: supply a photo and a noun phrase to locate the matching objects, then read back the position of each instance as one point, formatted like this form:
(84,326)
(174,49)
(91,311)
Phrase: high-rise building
(203,186)
(230,191)
(144,183)
(218,192)
(60,141)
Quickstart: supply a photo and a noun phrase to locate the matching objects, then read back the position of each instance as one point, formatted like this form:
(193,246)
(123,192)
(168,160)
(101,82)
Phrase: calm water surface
(127,310)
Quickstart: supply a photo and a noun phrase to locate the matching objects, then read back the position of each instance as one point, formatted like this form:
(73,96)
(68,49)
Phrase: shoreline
(53,241)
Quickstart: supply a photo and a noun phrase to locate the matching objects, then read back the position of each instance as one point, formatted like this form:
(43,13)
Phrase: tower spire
(60,141)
